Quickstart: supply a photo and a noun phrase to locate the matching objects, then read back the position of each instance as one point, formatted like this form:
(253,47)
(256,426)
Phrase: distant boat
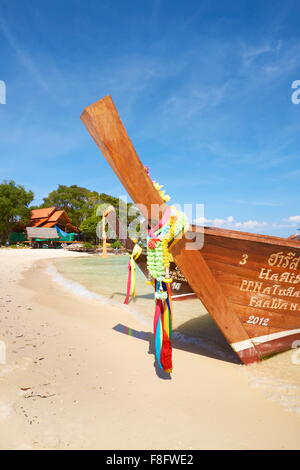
(249,284)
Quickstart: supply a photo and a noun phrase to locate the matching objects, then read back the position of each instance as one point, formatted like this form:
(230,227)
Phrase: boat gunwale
(246,236)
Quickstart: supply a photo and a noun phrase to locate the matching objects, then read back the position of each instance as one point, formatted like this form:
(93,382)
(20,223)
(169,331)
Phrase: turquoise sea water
(277,377)
(108,277)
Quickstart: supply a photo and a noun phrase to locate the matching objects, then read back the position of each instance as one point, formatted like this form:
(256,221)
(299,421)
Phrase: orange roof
(42,213)
(49,217)
(49,225)
(57,215)
(37,222)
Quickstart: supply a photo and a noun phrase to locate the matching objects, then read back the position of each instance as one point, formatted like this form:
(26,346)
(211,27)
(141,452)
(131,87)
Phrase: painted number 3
(245,259)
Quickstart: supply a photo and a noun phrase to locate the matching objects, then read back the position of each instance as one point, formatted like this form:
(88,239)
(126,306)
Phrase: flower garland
(159,239)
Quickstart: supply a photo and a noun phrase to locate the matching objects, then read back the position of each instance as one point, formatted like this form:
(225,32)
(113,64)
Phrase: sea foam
(78,289)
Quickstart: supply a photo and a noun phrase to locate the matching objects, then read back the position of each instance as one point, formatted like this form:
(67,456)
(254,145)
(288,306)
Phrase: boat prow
(249,284)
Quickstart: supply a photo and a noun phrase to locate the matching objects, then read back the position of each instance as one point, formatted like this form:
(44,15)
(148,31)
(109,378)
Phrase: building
(49,224)
(51,217)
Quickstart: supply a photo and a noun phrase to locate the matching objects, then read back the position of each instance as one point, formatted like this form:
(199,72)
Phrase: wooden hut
(51,217)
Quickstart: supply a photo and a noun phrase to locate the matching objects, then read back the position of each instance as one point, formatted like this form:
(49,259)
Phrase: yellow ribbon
(136,252)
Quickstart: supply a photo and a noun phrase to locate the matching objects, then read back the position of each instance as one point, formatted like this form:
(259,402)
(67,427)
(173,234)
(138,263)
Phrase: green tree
(78,202)
(81,206)
(14,202)
(89,226)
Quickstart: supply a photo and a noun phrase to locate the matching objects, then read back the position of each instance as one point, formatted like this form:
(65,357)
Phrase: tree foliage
(89,227)
(14,207)
(78,202)
(81,205)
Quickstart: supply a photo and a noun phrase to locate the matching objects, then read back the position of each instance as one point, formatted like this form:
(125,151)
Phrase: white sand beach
(71,381)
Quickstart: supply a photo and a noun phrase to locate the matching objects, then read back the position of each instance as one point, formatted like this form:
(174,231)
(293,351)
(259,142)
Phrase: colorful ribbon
(163,331)
(169,228)
(131,280)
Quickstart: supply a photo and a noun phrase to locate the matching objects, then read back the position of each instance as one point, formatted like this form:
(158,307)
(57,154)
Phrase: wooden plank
(103,123)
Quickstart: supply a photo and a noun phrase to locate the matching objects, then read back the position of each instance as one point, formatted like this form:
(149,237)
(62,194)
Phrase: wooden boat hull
(181,290)
(248,283)
(260,278)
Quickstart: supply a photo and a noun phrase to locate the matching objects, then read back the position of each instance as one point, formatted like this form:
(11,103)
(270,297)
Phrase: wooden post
(104,239)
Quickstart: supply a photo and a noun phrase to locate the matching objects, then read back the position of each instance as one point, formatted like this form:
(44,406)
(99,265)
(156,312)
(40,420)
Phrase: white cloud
(294,218)
(230,222)
(249,225)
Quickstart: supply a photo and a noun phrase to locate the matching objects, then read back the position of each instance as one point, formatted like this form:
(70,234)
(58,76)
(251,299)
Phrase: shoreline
(214,347)
(87,386)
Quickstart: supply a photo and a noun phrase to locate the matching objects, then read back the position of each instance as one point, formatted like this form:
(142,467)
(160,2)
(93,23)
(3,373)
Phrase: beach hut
(46,218)
(50,227)
(51,217)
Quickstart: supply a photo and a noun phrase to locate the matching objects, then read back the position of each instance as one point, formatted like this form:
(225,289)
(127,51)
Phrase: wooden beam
(104,124)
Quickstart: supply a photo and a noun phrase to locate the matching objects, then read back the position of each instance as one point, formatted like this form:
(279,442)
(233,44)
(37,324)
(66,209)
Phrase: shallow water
(108,277)
(278,377)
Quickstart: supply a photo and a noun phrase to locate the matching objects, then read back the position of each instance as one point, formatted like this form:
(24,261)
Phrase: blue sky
(203,88)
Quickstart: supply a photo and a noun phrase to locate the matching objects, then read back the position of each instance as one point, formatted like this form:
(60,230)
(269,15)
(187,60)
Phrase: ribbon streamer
(131,280)
(163,332)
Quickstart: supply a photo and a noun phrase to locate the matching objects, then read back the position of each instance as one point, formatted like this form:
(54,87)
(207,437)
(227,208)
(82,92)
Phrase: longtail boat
(249,283)
(180,288)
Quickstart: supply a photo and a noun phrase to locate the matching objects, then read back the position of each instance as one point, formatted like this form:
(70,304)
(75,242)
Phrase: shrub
(88,246)
(116,244)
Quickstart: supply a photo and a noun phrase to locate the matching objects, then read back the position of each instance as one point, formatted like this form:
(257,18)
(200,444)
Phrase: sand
(72,381)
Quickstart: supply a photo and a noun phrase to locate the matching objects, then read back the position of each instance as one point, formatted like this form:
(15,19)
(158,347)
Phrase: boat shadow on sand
(209,341)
